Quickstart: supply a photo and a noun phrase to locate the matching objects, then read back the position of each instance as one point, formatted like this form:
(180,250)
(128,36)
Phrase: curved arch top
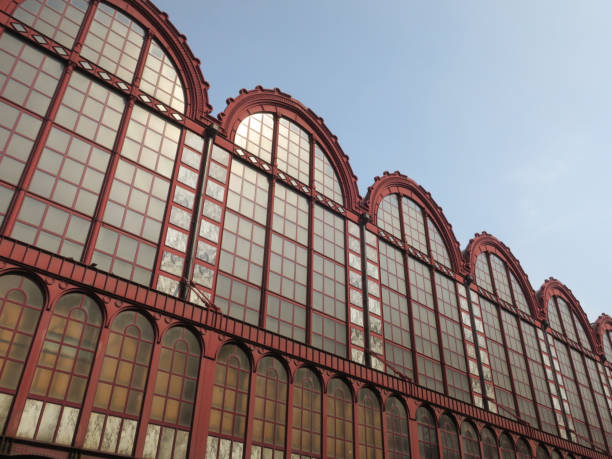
(552,287)
(275,101)
(172,42)
(398,183)
(485,242)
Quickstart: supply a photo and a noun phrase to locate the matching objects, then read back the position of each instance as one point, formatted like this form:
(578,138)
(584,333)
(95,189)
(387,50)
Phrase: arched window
(542,453)
(21,303)
(506,447)
(449,438)
(174,395)
(60,379)
(270,411)
(469,441)
(523,451)
(161,80)
(397,435)
(556,454)
(121,386)
(428,436)
(339,420)
(229,404)
(489,444)
(306,431)
(370,426)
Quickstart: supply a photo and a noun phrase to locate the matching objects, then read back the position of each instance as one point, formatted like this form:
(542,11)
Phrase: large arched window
(62,372)
(506,447)
(428,435)
(523,451)
(564,320)
(307,405)
(469,441)
(449,438)
(174,395)
(120,390)
(370,425)
(397,435)
(339,420)
(21,303)
(489,444)
(229,404)
(270,411)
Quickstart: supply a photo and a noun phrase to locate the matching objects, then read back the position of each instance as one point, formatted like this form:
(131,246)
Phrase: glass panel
(370,425)
(397,434)
(269,414)
(161,80)
(113,42)
(306,432)
(293,151)
(470,442)
(387,216)
(248,192)
(501,278)
(238,299)
(254,134)
(339,420)
(414,225)
(483,275)
(325,179)
(439,252)
(428,437)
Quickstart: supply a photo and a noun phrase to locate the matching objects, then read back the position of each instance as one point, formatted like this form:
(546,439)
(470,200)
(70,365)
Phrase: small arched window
(339,420)
(230,400)
(269,414)
(398,438)
(306,432)
(62,371)
(469,440)
(174,395)
(121,386)
(428,436)
(370,426)
(489,445)
(506,447)
(523,451)
(449,438)
(542,453)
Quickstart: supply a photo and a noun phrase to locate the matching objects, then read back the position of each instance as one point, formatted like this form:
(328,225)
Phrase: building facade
(174,284)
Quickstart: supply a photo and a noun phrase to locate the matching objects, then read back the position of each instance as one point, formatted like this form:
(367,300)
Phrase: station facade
(175,284)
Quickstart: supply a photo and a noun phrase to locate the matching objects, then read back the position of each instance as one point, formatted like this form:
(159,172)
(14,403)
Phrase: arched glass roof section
(565,315)
(603,331)
(275,127)
(403,209)
(121,33)
(496,271)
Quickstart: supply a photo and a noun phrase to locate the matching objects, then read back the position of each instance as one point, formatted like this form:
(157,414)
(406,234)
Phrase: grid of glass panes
(356,296)
(573,396)
(325,179)
(307,405)
(483,275)
(369,430)
(207,239)
(600,399)
(414,225)
(60,378)
(607,345)
(538,378)
(269,413)
(161,80)
(254,134)
(182,199)
(566,318)
(91,110)
(339,420)
(70,172)
(6,194)
(480,340)
(113,42)
(121,386)
(452,339)
(59,20)
(229,404)
(396,430)
(469,441)
(498,359)
(582,336)
(449,438)
(328,282)
(293,150)
(553,316)
(425,328)
(470,345)
(428,435)
(501,278)
(439,252)
(388,216)
(518,367)
(51,228)
(584,387)
(519,297)
(18,131)
(28,77)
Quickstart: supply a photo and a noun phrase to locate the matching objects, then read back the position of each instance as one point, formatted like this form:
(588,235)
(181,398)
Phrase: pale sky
(501,109)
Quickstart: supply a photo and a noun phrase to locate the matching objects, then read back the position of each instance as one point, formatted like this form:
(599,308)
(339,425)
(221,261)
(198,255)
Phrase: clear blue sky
(501,109)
